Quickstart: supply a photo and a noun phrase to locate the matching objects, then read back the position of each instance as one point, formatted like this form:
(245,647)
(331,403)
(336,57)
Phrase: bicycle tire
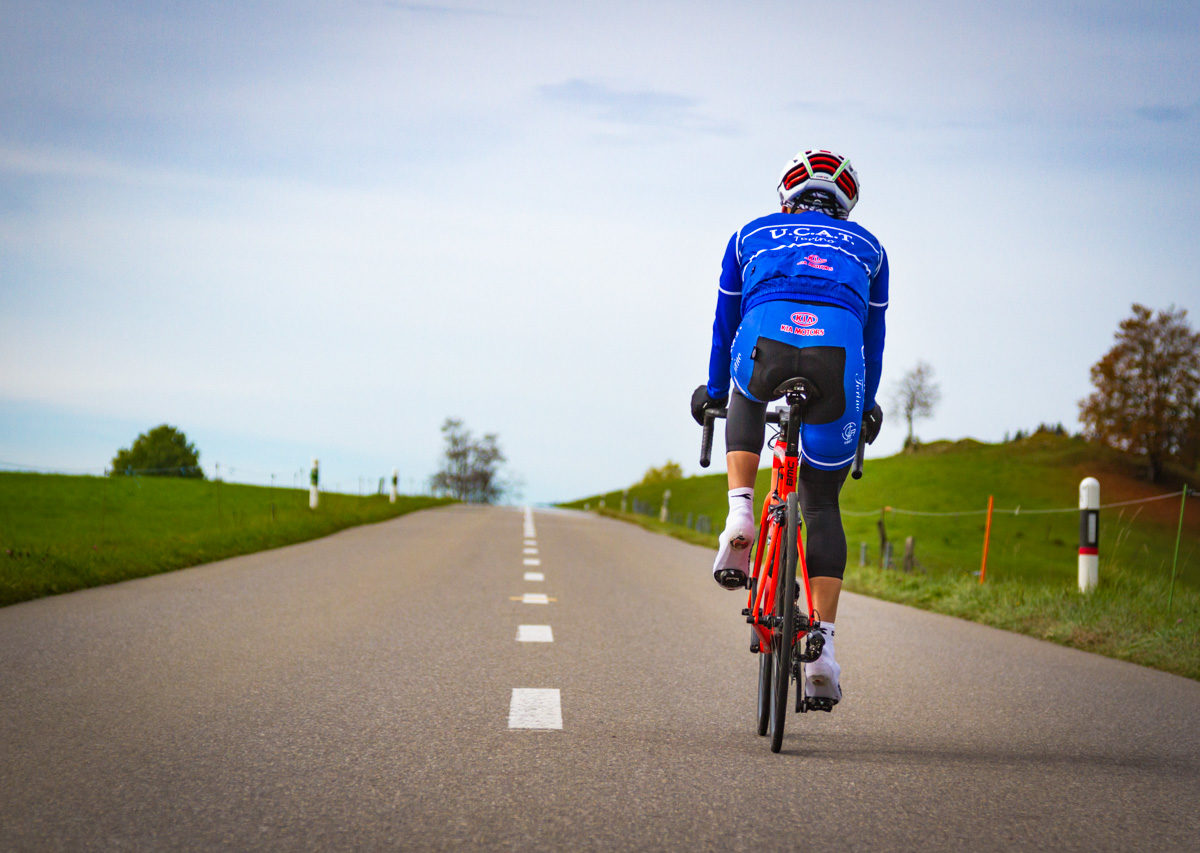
(785,631)
(765,671)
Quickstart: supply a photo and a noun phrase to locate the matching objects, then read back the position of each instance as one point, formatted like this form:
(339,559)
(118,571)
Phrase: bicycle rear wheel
(785,626)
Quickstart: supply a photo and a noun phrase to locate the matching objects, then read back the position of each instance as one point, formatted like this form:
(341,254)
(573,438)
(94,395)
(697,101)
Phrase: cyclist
(802,293)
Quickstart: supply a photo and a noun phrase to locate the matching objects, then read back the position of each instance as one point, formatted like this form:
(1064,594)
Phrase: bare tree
(1147,398)
(469,467)
(914,398)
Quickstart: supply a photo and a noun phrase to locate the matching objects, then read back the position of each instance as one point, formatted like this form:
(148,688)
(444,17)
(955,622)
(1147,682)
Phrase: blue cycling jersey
(808,257)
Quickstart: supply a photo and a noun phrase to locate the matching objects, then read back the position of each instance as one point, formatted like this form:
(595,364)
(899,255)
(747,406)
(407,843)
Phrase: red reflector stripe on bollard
(1089,550)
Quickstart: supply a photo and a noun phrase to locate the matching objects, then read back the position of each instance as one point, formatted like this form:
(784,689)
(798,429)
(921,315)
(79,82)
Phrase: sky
(299,229)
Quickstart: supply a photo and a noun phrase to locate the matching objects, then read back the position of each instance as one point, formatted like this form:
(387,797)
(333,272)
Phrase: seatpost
(796,400)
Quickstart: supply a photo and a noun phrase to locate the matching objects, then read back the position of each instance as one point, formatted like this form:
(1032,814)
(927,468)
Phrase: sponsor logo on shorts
(814,261)
(807,333)
(804,318)
(848,432)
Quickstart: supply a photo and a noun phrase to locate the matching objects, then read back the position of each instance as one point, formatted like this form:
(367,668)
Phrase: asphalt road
(355,692)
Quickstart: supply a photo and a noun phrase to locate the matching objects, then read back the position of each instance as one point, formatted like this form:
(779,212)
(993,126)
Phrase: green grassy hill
(1032,561)
(60,533)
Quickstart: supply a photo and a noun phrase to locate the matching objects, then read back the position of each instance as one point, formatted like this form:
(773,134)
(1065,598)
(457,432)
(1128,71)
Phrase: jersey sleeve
(873,333)
(725,324)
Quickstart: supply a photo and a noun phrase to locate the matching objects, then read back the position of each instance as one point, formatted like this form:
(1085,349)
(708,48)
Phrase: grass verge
(1031,572)
(1123,618)
(59,533)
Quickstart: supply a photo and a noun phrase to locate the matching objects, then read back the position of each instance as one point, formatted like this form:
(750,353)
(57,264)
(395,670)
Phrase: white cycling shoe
(731,569)
(822,677)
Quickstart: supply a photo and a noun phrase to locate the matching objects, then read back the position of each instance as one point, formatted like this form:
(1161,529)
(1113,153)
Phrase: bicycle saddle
(802,385)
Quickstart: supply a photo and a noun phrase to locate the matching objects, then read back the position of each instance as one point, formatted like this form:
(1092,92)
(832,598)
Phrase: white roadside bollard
(1089,534)
(313,479)
(663,511)
(395,485)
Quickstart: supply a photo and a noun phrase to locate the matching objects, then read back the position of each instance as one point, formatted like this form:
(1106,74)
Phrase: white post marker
(395,485)
(662,513)
(1089,534)
(535,708)
(313,479)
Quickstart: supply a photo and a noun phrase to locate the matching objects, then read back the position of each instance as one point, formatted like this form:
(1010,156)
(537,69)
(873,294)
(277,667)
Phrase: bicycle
(783,640)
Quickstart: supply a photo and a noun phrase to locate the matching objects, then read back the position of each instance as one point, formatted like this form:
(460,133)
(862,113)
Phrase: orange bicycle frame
(768,555)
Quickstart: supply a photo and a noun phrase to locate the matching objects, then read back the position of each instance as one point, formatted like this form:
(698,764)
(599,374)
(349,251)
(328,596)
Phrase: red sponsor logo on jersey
(808,333)
(815,261)
(804,318)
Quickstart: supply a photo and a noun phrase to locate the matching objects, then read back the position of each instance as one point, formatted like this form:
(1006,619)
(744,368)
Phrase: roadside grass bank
(63,533)
(1031,576)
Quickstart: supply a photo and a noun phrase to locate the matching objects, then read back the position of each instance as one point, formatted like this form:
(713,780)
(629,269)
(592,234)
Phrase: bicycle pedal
(732,579)
(819,703)
(812,648)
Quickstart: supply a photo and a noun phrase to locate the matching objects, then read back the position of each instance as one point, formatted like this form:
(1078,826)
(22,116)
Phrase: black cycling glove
(872,421)
(701,401)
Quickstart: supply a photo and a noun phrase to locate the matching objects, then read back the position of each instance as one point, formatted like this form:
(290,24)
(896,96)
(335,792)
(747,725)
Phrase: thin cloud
(437,9)
(87,166)
(639,108)
(1165,114)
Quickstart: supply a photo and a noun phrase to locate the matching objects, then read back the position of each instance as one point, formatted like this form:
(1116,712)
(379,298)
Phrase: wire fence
(243,474)
(1014,511)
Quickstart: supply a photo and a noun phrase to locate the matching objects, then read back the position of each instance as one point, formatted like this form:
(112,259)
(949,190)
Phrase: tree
(669,471)
(915,397)
(1147,397)
(161,452)
(469,469)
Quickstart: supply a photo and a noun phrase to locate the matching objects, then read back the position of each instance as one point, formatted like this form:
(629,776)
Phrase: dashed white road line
(531,707)
(535,634)
(535,708)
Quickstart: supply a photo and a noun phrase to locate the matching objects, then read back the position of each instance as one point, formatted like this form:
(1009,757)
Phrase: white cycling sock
(733,545)
(827,649)
(741,505)
(824,674)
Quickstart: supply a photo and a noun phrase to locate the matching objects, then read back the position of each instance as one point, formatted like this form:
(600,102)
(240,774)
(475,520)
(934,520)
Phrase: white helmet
(820,173)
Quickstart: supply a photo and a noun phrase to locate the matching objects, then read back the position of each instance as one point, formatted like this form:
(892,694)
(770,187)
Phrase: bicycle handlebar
(773,417)
(706,435)
(856,469)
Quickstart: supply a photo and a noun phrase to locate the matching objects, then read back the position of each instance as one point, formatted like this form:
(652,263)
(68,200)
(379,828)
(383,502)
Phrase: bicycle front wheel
(784,633)
(765,672)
